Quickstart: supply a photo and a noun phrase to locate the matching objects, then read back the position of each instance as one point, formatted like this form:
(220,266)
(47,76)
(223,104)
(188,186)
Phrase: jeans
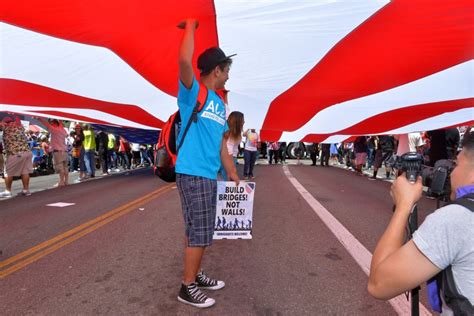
(89,160)
(249,162)
(370,156)
(112,159)
(144,157)
(124,159)
(82,163)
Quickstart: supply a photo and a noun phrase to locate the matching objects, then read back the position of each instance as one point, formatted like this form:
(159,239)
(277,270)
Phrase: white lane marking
(360,254)
(60,204)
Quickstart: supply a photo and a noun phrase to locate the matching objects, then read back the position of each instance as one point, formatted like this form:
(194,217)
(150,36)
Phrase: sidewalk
(46,182)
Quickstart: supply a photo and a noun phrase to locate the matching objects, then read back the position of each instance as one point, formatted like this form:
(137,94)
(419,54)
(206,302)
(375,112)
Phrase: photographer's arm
(396,267)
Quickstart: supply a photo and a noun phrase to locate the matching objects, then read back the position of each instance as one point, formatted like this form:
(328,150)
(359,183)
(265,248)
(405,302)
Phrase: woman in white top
(233,136)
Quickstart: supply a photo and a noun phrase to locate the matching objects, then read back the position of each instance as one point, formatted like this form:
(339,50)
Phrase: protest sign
(234,210)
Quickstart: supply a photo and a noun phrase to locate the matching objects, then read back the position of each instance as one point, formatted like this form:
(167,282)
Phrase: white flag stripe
(445,120)
(84,70)
(336,139)
(94,114)
(278,42)
(451,84)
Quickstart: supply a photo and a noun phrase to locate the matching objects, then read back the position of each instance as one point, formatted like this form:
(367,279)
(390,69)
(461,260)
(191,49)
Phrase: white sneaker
(25,193)
(5,194)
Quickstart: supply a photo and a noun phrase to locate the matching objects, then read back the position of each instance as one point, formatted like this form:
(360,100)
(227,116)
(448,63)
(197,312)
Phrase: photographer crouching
(442,248)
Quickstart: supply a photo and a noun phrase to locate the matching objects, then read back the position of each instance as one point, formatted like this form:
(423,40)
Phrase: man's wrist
(404,207)
(191,24)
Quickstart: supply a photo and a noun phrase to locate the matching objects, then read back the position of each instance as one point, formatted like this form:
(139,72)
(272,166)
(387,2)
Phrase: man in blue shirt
(444,239)
(199,160)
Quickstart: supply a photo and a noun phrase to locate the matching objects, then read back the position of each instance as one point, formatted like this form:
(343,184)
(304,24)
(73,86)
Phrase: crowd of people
(364,153)
(64,147)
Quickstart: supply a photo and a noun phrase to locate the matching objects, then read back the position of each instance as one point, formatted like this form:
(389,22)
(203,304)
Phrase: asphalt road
(118,249)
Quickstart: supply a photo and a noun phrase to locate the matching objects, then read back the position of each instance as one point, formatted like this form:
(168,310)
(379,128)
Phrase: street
(118,249)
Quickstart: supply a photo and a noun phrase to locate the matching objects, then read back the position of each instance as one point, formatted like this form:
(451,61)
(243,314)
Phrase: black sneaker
(192,295)
(207,283)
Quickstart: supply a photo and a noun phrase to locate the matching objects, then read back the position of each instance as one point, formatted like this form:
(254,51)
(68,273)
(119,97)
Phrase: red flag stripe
(17,92)
(142,33)
(419,38)
(381,123)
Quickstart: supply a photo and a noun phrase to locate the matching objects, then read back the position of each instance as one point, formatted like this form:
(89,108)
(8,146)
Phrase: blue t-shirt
(200,153)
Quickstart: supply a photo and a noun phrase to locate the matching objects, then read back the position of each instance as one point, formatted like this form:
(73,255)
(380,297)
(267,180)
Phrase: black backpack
(167,149)
(457,302)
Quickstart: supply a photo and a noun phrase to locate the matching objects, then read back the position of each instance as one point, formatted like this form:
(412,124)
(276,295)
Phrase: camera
(438,180)
(411,163)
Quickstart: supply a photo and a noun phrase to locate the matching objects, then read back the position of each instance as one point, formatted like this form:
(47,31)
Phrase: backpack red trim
(166,148)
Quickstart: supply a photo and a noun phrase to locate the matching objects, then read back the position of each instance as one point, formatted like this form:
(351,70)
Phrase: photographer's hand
(404,193)
(397,267)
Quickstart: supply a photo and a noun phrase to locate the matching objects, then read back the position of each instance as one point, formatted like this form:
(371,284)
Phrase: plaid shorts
(198,200)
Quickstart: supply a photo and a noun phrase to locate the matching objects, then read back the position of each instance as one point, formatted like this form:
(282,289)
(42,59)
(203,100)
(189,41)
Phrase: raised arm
(44,122)
(186,50)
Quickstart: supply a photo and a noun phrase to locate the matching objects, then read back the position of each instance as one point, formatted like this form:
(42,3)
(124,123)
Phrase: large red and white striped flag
(306,70)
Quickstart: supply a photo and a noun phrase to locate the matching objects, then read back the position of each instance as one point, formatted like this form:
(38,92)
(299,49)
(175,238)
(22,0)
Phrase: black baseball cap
(210,58)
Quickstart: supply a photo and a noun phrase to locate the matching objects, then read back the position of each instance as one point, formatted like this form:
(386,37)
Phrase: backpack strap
(467,201)
(456,301)
(200,102)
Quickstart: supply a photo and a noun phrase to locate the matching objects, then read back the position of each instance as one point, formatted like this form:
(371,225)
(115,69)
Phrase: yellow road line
(63,239)
(76,229)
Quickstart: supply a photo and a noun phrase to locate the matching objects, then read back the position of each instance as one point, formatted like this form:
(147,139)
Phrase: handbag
(76,152)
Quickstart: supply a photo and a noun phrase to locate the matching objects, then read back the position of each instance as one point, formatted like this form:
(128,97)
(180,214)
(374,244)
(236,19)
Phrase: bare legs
(192,263)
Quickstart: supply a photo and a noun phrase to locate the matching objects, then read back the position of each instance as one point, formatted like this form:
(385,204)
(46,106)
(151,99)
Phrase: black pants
(103,160)
(313,155)
(74,164)
(282,154)
(124,158)
(325,157)
(273,154)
